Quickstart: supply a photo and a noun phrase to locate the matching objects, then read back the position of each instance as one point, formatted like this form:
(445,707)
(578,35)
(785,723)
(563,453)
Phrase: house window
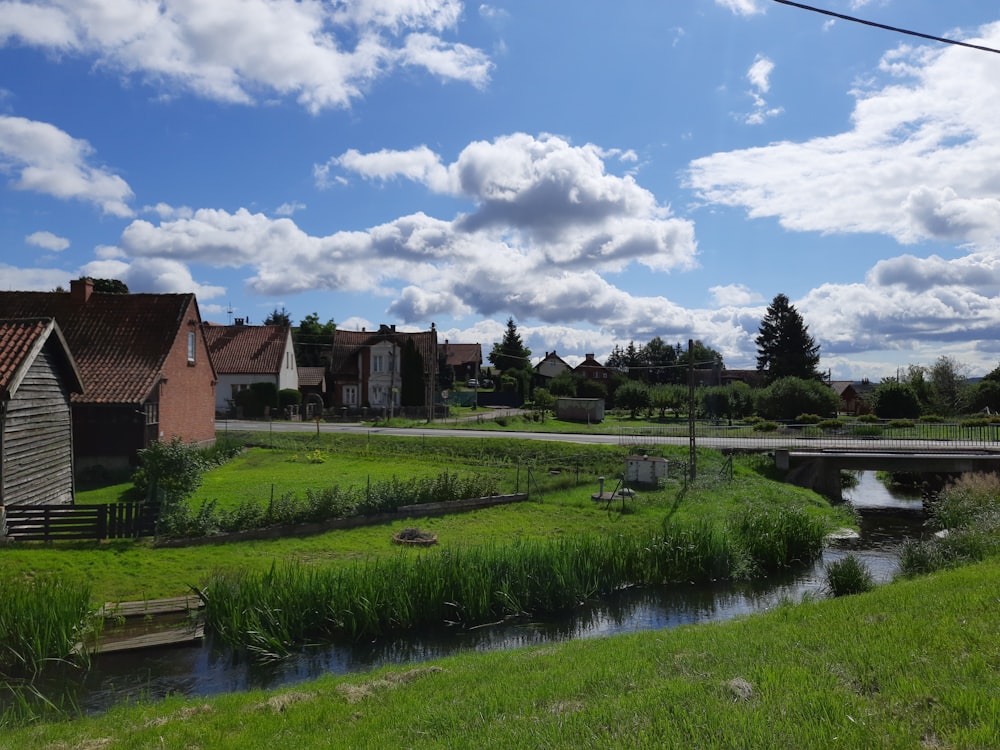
(378,394)
(191,347)
(152,413)
(378,363)
(351,395)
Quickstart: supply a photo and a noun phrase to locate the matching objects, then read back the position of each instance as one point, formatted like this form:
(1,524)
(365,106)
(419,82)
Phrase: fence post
(102,522)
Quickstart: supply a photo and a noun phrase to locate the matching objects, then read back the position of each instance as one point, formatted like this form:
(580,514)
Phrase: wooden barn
(37,377)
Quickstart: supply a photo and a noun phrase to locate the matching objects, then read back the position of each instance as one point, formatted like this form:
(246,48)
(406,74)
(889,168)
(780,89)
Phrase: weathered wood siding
(36,440)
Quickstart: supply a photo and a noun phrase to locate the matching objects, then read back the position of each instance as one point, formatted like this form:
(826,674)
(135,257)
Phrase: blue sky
(602,172)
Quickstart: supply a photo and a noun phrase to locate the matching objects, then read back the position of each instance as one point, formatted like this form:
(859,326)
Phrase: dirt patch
(357,693)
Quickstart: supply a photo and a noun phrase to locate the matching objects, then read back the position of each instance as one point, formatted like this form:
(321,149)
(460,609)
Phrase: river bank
(912,665)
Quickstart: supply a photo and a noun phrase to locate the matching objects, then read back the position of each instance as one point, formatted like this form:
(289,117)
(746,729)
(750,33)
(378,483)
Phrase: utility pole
(692,453)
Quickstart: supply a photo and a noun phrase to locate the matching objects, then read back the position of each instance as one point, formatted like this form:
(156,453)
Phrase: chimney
(80,290)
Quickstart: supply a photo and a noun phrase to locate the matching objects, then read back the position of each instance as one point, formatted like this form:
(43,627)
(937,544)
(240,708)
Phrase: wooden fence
(44,523)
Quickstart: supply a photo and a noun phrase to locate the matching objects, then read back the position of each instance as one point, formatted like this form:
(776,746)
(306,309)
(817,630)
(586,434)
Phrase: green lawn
(561,504)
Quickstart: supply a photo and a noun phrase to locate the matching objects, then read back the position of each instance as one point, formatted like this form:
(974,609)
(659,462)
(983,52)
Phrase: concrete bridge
(819,470)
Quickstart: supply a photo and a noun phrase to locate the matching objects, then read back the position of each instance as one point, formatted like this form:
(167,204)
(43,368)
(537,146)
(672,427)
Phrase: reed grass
(42,619)
(271,613)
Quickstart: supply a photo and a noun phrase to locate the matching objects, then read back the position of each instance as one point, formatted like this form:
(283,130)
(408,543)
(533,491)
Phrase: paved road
(720,443)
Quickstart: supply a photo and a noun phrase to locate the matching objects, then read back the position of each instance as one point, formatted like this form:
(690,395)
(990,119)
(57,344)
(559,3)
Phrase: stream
(887,519)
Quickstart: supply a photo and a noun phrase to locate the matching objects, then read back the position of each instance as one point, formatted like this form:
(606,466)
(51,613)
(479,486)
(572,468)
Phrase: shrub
(289,397)
(808,419)
(895,400)
(848,575)
(786,398)
(932,419)
(869,419)
(866,430)
(901,424)
(765,426)
(168,472)
(831,424)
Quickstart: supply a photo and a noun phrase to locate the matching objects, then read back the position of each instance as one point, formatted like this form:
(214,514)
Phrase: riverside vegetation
(715,517)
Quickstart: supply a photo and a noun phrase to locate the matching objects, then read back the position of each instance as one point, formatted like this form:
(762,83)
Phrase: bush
(932,419)
(808,419)
(289,397)
(168,472)
(866,430)
(831,424)
(848,575)
(869,419)
(895,400)
(787,398)
(765,426)
(901,424)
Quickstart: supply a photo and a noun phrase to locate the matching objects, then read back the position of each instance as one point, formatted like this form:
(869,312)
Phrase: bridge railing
(886,435)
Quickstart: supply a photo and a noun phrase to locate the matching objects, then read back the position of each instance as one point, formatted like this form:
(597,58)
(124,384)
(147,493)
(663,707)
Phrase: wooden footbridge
(820,469)
(151,623)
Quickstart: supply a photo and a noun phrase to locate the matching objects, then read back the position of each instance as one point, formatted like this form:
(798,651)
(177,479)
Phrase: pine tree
(510,354)
(784,346)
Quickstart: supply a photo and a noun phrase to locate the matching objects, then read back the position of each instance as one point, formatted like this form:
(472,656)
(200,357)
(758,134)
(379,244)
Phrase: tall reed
(41,619)
(290,605)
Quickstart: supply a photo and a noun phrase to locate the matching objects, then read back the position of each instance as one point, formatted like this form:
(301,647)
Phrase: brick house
(144,363)
(385,369)
(592,369)
(37,377)
(244,354)
(465,360)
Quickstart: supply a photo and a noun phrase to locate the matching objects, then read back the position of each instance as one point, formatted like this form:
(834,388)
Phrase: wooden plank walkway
(152,607)
(150,623)
(168,637)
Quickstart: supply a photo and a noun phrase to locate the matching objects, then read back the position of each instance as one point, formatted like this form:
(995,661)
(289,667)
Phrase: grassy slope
(912,665)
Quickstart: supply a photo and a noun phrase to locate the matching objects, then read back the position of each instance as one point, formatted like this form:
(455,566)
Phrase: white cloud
(917,163)
(158,275)
(735,295)
(742,7)
(48,160)
(759,76)
(323,54)
(47,241)
(288,209)
(13,278)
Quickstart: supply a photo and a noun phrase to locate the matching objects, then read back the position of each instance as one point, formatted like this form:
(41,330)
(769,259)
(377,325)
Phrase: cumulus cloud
(735,295)
(45,159)
(158,275)
(916,164)
(545,220)
(322,54)
(47,241)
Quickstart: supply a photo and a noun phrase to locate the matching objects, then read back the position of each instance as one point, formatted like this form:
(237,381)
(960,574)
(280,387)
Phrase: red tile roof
(311,376)
(460,354)
(19,341)
(243,349)
(119,341)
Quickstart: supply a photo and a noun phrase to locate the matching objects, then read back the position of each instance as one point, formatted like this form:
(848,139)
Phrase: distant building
(592,369)
(245,354)
(551,365)
(383,369)
(465,360)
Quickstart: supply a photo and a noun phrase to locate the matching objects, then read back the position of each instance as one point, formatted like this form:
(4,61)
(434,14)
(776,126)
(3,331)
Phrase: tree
(948,386)
(784,347)
(894,400)
(108,286)
(278,317)
(632,396)
(658,360)
(510,353)
(313,340)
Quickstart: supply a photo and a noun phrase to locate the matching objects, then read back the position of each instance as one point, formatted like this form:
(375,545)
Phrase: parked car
(472,383)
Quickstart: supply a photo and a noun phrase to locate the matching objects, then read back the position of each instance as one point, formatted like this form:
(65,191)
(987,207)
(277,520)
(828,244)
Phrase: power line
(887,27)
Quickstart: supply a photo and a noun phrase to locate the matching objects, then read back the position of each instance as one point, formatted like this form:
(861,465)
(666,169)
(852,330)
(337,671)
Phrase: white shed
(645,470)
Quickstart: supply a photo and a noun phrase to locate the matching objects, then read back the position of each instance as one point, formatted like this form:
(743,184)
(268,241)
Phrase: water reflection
(887,518)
